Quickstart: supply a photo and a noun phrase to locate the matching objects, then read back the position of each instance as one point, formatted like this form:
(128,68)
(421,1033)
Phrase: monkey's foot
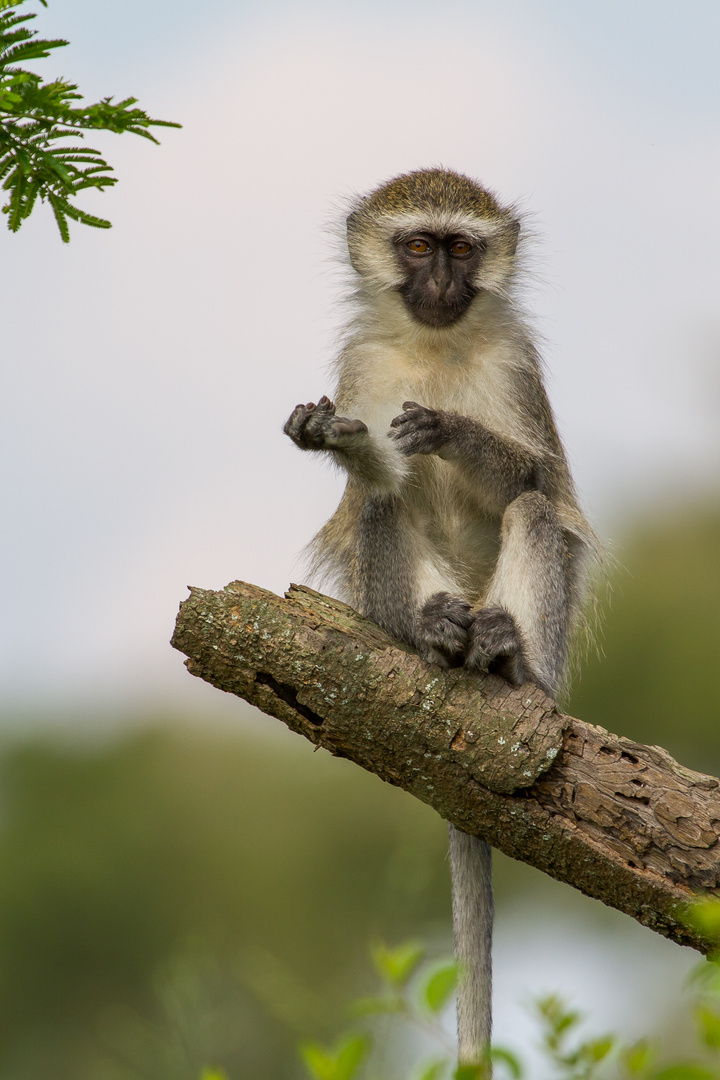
(495,645)
(316,427)
(441,629)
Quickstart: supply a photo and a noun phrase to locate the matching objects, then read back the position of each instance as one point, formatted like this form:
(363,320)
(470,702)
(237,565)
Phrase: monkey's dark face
(439,275)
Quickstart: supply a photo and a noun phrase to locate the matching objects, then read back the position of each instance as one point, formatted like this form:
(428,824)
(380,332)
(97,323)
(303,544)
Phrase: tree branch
(620,821)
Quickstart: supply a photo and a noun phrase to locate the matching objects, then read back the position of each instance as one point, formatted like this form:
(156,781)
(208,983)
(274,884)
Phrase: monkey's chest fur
(440,523)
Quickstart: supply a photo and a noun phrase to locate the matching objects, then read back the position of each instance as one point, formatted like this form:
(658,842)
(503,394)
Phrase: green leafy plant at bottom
(416,992)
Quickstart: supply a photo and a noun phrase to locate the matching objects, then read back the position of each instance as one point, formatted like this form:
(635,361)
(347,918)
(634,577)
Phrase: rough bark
(620,821)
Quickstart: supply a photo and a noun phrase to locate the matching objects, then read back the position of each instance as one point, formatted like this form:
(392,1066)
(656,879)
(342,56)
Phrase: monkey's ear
(352,226)
(513,235)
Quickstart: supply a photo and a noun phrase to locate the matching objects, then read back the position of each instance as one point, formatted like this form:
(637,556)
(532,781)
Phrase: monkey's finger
(407,418)
(412,405)
(409,426)
(298,412)
(297,421)
(417,417)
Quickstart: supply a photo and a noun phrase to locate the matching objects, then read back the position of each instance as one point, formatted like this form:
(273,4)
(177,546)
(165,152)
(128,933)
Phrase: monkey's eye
(418,246)
(460,248)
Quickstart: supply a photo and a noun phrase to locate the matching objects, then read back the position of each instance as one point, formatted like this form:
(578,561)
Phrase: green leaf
(504,1057)
(59,207)
(339,1063)
(398,965)
(636,1058)
(556,1015)
(704,915)
(566,1022)
(706,977)
(76,214)
(320,1062)
(213,1074)
(351,1056)
(709,1024)
(598,1049)
(687,1071)
(438,987)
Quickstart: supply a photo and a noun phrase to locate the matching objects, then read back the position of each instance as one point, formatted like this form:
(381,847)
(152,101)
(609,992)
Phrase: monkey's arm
(377,464)
(502,467)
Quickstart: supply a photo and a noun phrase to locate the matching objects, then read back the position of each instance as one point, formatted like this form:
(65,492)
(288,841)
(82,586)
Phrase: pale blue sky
(654,50)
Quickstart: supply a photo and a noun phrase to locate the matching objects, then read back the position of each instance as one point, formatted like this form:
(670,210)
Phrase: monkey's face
(439,274)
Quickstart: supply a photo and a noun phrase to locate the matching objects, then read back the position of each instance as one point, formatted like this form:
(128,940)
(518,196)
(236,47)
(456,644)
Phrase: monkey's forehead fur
(439,196)
(433,200)
(432,189)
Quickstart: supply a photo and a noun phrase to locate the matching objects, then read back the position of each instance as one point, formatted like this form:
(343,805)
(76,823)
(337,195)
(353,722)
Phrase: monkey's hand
(418,430)
(441,629)
(316,427)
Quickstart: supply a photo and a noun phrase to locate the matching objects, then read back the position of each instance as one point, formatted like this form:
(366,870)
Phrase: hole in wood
(288,695)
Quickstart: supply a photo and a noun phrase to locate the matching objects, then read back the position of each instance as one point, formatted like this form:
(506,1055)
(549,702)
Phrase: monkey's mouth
(438,313)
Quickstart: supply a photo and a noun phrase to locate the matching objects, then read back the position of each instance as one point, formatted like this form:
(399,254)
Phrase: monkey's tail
(473,911)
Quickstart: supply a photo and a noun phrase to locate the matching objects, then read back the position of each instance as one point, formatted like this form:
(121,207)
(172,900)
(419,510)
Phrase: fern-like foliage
(40,125)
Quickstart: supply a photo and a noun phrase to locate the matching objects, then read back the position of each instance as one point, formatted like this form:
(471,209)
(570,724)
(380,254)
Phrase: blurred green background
(182,895)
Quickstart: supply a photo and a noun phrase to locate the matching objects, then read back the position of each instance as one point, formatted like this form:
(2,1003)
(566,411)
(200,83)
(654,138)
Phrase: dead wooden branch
(620,821)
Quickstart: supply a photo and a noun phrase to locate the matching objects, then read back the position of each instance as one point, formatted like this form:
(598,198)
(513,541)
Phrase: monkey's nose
(441,284)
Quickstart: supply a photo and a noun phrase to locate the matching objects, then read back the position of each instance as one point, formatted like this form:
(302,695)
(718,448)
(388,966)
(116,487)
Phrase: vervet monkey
(459,531)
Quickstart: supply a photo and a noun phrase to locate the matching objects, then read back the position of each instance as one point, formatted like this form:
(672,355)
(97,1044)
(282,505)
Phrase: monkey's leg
(398,580)
(522,629)
(473,912)
(404,584)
